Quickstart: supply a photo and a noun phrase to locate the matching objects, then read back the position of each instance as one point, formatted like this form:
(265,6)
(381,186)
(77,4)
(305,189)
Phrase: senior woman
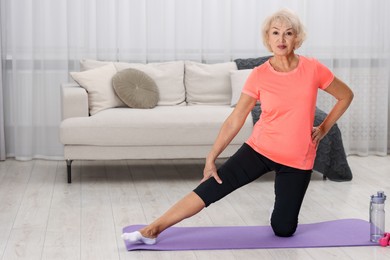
(283,140)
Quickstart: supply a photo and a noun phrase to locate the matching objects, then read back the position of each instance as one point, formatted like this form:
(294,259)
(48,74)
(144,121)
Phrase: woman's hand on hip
(317,134)
(210,170)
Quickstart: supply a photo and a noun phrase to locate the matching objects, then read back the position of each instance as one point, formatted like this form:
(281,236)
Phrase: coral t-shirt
(288,102)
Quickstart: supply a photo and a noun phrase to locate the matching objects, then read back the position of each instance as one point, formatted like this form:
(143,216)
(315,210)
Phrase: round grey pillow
(135,88)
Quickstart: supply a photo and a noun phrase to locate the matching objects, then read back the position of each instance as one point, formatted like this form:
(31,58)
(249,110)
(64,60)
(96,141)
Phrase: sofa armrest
(74,101)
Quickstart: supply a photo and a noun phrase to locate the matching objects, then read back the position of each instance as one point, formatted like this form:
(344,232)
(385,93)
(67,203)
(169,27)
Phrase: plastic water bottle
(377,216)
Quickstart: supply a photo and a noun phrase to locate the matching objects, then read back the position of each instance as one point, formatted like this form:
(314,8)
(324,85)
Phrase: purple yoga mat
(345,232)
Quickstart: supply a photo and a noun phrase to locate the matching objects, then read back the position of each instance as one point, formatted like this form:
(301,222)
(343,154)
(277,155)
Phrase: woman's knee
(283,229)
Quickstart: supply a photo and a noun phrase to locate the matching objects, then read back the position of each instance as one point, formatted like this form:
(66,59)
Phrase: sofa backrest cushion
(208,84)
(169,77)
(238,79)
(98,83)
(87,64)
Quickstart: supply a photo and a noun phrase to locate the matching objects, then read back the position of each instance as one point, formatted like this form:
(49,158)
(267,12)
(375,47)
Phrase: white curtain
(2,137)
(354,41)
(44,39)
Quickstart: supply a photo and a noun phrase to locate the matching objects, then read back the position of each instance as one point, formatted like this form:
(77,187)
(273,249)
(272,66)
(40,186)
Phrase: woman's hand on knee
(210,170)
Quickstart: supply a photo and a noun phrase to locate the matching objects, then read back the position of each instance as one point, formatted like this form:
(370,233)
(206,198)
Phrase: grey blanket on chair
(331,159)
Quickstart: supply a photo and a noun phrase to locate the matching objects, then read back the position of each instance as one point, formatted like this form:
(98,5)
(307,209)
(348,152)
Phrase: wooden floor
(43,217)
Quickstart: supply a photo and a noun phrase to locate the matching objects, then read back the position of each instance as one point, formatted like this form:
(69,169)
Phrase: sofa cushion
(208,84)
(250,63)
(238,79)
(98,83)
(162,125)
(135,88)
(87,64)
(169,77)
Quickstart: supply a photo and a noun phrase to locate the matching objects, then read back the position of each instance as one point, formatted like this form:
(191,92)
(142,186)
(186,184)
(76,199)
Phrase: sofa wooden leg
(69,169)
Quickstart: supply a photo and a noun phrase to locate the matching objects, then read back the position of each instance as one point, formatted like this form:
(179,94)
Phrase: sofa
(194,100)
(166,110)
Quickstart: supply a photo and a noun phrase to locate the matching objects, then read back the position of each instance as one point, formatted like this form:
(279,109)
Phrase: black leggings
(245,166)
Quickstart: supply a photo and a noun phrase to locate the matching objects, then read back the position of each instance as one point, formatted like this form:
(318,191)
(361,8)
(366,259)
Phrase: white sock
(136,237)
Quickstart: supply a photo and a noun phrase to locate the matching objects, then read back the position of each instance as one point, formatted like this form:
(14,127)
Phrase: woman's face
(281,38)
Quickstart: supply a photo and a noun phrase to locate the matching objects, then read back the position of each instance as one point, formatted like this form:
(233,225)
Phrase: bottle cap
(380,197)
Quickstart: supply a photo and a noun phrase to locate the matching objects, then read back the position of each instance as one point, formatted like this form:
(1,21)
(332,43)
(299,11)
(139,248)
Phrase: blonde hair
(285,16)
